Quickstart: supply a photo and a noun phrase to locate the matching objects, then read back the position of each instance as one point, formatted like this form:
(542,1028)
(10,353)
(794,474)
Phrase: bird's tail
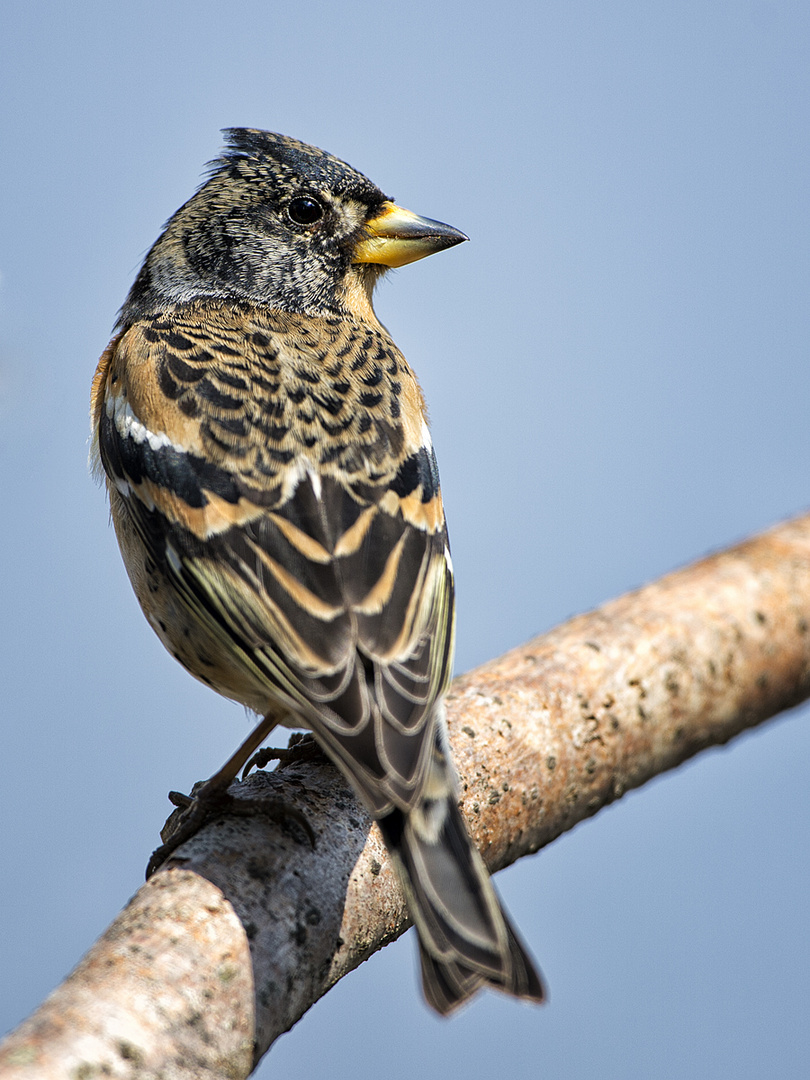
(465,937)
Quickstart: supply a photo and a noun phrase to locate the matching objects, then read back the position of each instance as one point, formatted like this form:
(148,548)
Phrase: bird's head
(282,224)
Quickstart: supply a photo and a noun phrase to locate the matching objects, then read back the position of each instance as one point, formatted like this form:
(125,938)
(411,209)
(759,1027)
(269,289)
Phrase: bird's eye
(304,210)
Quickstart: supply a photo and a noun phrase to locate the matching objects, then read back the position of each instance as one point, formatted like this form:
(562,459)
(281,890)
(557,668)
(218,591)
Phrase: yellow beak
(397,236)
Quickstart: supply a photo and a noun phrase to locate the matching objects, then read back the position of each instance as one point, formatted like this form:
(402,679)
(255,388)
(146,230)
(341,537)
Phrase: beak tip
(451,240)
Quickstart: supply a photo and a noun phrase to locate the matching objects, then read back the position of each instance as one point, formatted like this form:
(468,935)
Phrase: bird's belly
(207,656)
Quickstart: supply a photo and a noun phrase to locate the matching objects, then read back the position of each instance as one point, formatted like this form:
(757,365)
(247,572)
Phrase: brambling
(276,499)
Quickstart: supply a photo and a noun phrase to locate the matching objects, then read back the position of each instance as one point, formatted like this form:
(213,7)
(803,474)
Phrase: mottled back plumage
(276,498)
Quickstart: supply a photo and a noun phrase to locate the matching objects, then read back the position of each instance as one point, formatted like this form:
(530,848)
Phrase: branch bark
(229,944)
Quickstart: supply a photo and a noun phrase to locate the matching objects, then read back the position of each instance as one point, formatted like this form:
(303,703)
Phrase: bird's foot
(208,801)
(302,747)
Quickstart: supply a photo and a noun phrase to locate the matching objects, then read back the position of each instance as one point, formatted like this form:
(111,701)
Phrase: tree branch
(229,944)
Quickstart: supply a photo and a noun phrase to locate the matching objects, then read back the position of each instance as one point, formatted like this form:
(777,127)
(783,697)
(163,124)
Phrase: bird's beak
(397,236)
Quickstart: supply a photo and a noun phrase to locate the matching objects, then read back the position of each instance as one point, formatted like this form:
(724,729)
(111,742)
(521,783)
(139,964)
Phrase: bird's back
(275,486)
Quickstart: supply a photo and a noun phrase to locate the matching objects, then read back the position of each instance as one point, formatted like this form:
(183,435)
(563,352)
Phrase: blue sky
(616,368)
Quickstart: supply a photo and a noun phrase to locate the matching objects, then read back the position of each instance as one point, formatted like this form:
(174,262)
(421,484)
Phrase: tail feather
(465,938)
(447,985)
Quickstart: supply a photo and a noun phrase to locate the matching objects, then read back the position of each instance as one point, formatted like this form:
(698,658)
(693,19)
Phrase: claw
(261,758)
(195,811)
(302,747)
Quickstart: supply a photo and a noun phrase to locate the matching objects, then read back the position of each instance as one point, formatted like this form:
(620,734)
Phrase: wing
(278,475)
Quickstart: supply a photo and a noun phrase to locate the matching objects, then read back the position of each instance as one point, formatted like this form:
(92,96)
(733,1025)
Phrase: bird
(276,499)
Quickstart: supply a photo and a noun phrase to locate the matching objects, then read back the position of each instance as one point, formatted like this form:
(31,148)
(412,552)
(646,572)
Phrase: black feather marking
(333,453)
(208,390)
(336,429)
(223,349)
(374,378)
(182,473)
(168,384)
(329,402)
(234,425)
(232,379)
(179,341)
(283,457)
(430,488)
(182,371)
(268,405)
(420,469)
(274,432)
(214,433)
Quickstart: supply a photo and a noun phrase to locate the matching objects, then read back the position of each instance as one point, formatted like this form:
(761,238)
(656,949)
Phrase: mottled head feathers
(275,224)
(277,159)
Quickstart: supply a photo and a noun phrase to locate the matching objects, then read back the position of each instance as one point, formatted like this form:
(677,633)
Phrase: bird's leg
(211,797)
(229,771)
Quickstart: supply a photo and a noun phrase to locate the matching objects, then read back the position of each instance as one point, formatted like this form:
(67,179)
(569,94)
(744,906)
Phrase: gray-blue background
(617,375)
